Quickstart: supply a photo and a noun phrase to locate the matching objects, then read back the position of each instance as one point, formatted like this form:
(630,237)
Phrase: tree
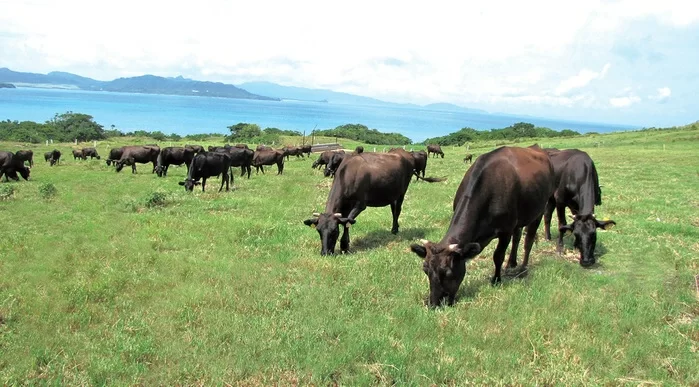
(69,126)
(243,131)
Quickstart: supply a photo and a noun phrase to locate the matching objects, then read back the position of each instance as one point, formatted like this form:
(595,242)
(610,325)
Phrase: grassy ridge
(98,287)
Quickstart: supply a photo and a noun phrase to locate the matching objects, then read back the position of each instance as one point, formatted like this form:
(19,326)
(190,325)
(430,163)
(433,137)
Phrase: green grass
(127,279)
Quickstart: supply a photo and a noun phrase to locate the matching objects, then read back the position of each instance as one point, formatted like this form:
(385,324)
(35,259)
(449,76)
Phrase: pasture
(128,279)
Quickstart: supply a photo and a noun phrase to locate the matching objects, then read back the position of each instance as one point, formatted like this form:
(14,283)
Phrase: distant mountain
(6,86)
(147,84)
(448,107)
(305,94)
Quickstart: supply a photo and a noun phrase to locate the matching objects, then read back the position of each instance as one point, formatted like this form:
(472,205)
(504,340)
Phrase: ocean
(190,114)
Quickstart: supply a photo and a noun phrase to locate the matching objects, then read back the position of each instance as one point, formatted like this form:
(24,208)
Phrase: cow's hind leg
(529,240)
(396,207)
(499,256)
(512,260)
(548,214)
(561,213)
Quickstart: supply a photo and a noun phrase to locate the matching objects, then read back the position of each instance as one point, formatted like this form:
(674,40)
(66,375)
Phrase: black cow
(78,154)
(47,156)
(240,157)
(268,157)
(503,191)
(114,155)
(363,180)
(307,149)
(196,148)
(138,154)
(25,155)
(173,155)
(205,165)
(420,163)
(435,150)
(55,157)
(334,163)
(577,187)
(90,152)
(10,165)
(324,158)
(469,158)
(292,151)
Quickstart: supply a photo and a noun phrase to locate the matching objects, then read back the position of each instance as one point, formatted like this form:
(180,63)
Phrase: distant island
(7,86)
(145,84)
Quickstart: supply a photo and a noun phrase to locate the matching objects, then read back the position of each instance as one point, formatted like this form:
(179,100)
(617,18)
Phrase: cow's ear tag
(313,225)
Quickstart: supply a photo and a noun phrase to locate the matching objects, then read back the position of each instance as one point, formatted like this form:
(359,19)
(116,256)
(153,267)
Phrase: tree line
(363,134)
(512,132)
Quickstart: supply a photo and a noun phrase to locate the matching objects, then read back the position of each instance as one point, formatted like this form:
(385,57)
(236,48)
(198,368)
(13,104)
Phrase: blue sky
(627,62)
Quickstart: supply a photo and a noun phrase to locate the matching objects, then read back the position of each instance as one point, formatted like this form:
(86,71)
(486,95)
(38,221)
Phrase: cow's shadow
(378,238)
(509,277)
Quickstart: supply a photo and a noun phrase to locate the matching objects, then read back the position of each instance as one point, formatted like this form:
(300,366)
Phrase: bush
(155,199)
(47,190)
(6,191)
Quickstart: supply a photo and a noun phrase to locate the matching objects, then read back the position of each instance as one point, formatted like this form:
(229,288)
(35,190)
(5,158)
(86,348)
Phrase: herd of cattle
(503,192)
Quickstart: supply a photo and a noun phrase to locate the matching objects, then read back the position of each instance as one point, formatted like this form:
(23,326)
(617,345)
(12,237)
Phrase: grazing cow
(307,149)
(324,158)
(138,154)
(268,157)
(240,157)
(173,155)
(468,157)
(334,163)
(47,156)
(196,148)
(25,155)
(435,149)
(78,154)
(577,187)
(420,162)
(292,151)
(91,152)
(55,157)
(205,165)
(363,180)
(10,165)
(262,148)
(114,155)
(504,191)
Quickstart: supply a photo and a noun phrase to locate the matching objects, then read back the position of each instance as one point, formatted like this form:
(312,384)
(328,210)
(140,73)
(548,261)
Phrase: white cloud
(662,96)
(622,102)
(583,78)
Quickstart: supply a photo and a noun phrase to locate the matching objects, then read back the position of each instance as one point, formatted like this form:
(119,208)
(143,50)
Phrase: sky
(633,62)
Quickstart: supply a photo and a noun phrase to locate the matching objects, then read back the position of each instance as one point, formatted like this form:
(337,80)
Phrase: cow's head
(24,172)
(189,184)
(121,163)
(159,170)
(445,266)
(584,228)
(98,157)
(328,227)
(109,162)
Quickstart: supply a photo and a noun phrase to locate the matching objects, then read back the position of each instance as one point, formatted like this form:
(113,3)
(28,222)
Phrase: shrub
(155,199)
(47,190)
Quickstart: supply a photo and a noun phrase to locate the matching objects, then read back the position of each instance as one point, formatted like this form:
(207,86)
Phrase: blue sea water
(191,114)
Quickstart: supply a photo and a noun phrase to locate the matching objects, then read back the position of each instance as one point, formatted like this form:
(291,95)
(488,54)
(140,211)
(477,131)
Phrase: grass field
(108,281)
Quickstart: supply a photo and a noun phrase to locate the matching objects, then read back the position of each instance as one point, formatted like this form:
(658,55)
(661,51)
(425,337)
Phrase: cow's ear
(420,250)
(313,222)
(347,221)
(566,229)
(605,224)
(181,183)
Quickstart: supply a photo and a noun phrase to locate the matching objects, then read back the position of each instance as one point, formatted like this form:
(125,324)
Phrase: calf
(468,157)
(90,152)
(114,155)
(577,187)
(268,157)
(205,165)
(138,154)
(10,165)
(504,191)
(25,155)
(435,150)
(173,155)
(363,180)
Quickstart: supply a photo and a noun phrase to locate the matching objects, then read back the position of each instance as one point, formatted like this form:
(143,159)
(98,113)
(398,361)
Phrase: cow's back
(576,177)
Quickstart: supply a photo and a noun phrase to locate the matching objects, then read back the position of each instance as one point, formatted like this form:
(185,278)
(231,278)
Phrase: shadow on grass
(380,238)
(509,276)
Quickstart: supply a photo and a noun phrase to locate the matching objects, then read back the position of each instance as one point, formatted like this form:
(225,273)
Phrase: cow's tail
(598,189)
(431,179)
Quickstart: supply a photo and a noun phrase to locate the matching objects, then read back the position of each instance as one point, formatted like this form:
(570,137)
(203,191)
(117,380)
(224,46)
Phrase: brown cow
(268,157)
(420,162)
(577,187)
(435,150)
(90,152)
(503,191)
(363,180)
(292,151)
(78,154)
(468,157)
(138,154)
